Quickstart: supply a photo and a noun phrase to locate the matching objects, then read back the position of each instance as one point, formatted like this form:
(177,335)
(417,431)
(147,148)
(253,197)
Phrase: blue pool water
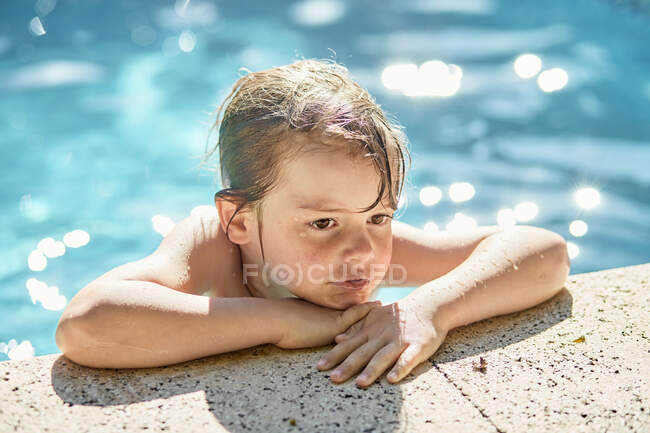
(104,112)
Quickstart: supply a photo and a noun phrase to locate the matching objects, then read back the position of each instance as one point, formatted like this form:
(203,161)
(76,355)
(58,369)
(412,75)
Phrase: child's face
(311,237)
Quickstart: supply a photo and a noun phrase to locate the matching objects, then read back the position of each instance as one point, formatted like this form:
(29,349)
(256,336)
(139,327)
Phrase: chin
(347,303)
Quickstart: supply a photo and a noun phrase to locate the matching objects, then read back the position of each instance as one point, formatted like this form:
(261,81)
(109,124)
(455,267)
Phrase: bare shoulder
(195,257)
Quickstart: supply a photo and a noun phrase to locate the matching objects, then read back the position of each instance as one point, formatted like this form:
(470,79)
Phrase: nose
(359,249)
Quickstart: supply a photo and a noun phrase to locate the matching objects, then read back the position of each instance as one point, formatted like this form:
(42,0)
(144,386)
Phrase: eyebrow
(322,207)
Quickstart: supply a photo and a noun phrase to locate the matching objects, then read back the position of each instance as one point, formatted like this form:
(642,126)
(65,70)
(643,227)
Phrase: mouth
(352,284)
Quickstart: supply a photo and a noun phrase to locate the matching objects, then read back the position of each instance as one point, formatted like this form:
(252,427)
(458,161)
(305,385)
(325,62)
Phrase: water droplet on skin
(541,256)
(516,267)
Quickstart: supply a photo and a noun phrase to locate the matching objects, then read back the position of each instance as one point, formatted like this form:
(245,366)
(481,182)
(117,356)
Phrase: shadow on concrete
(257,389)
(497,332)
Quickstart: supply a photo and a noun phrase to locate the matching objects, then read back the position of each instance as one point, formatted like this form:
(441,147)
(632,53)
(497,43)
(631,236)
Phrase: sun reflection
(461,222)
(44,7)
(506,218)
(461,191)
(395,76)
(527,65)
(162,224)
(48,296)
(205,210)
(181,7)
(187,41)
(578,228)
(552,79)
(587,198)
(431,227)
(526,211)
(317,12)
(432,78)
(16,351)
(36,27)
(36,261)
(76,238)
(430,195)
(572,249)
(55,73)
(402,202)
(51,248)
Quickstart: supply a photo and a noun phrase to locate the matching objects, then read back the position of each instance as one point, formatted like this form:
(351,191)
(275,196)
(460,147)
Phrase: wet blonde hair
(316,97)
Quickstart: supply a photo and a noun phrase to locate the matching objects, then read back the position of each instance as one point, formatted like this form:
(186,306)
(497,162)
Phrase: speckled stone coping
(537,379)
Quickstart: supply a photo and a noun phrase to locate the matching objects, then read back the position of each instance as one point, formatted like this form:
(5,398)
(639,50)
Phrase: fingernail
(336,373)
(392,376)
(321,363)
(363,378)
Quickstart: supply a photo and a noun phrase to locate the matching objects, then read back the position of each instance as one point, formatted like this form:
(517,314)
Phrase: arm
(145,324)
(135,324)
(506,271)
(509,271)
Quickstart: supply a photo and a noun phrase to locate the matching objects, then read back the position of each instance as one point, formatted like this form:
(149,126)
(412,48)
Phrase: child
(313,172)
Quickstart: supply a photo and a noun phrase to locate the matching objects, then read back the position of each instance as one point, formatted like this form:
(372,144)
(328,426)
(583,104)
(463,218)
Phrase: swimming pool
(104,114)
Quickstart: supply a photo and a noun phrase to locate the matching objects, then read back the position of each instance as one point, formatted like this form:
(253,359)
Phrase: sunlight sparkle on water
(587,198)
(36,27)
(76,238)
(506,218)
(430,195)
(572,249)
(16,351)
(431,227)
(394,77)
(51,248)
(402,201)
(44,7)
(461,191)
(48,296)
(432,78)
(36,261)
(461,222)
(526,211)
(181,7)
(317,12)
(552,80)
(162,224)
(527,65)
(578,228)
(187,41)
(205,210)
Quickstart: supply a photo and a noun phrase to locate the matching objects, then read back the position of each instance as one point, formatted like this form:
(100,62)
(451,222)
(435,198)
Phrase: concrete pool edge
(577,362)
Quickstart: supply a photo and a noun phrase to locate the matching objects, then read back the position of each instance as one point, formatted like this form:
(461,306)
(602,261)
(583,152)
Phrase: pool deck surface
(580,362)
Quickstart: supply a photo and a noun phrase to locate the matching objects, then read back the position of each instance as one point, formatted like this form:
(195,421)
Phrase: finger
(356,313)
(356,360)
(340,351)
(378,364)
(349,333)
(408,360)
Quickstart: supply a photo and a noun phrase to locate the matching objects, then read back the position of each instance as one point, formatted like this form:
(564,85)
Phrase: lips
(352,284)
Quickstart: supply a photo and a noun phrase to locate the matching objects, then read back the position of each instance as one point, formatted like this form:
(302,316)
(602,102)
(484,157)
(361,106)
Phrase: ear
(240,227)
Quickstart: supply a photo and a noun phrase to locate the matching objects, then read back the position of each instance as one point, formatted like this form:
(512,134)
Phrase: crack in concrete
(483,414)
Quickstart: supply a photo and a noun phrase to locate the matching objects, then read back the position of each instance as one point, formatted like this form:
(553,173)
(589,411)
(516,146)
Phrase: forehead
(329,181)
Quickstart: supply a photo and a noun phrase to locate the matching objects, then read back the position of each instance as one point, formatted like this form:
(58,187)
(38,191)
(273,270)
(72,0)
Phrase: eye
(382,220)
(321,224)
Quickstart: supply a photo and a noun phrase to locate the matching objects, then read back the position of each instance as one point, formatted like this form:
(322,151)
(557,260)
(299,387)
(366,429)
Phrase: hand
(310,325)
(404,331)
